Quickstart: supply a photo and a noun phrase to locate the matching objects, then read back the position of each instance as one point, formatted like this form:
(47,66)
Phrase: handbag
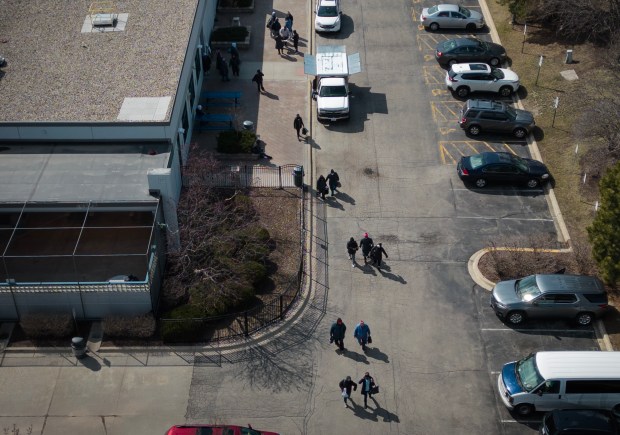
(369,339)
(374,390)
(304,131)
(344,394)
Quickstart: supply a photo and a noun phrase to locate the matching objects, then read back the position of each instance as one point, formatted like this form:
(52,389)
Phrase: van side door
(547,396)
(591,393)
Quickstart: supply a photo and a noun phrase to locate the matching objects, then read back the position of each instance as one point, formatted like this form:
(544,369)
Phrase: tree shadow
(374,352)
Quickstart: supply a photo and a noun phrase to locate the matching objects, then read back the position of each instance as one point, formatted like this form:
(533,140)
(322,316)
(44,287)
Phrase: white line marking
(492,218)
(501,190)
(495,373)
(536,330)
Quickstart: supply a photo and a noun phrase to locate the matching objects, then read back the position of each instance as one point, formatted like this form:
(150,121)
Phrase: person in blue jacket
(362,334)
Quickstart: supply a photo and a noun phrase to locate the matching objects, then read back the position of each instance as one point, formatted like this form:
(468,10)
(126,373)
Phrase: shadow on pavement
(368,269)
(384,414)
(355,356)
(346,198)
(270,95)
(90,363)
(375,353)
(386,274)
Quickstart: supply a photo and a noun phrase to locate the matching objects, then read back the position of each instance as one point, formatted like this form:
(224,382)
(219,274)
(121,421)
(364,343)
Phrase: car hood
(510,75)
(536,167)
(525,117)
(327,21)
(504,292)
(509,375)
(332,103)
(475,16)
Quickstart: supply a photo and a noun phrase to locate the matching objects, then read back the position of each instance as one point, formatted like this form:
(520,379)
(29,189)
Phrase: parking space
(451,151)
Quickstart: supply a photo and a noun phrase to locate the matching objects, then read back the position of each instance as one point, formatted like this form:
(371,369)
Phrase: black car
(500,167)
(579,421)
(462,50)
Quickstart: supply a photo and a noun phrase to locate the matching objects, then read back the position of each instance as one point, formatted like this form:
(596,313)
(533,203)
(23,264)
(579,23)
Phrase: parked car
(215,430)
(501,167)
(462,50)
(478,116)
(579,421)
(327,16)
(464,78)
(451,16)
(576,297)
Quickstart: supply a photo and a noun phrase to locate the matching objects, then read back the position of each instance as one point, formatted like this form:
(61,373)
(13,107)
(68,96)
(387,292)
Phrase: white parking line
(537,330)
(492,218)
(501,190)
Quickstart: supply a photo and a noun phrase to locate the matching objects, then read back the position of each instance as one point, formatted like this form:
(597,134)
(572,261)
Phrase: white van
(544,381)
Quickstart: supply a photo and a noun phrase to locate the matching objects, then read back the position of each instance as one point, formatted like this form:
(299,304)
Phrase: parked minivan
(544,381)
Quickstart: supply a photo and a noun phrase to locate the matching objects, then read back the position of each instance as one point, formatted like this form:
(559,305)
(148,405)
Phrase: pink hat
(365,234)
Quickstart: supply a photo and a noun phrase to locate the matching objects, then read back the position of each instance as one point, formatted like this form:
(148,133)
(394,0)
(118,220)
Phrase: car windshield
(512,113)
(433,9)
(527,289)
(464,11)
(527,373)
(497,73)
(327,11)
(476,161)
(333,91)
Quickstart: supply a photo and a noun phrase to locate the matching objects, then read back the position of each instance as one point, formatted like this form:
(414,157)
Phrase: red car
(202,429)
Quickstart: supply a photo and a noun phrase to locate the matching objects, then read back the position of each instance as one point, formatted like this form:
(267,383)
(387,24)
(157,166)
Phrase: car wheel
(452,62)
(520,133)
(524,409)
(494,61)
(515,317)
(584,319)
(470,27)
(532,183)
(462,92)
(616,410)
(434,27)
(474,130)
(505,91)
(481,182)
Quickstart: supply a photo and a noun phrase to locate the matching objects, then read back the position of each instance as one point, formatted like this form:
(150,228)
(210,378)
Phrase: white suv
(327,17)
(463,78)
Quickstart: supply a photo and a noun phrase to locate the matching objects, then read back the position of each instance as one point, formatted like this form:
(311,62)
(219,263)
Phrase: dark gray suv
(487,115)
(576,297)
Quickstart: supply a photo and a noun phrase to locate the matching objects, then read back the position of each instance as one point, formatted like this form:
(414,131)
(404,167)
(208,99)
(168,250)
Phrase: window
(442,14)
(472,113)
(197,63)
(597,298)
(456,15)
(549,387)
(488,115)
(565,298)
(192,92)
(593,387)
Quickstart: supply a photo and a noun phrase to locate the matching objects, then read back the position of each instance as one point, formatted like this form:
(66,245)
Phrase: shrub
(225,34)
(254,272)
(47,325)
(181,328)
(129,326)
(235,142)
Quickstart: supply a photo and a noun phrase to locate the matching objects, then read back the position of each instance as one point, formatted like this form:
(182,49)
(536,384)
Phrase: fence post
(280,176)
(245,322)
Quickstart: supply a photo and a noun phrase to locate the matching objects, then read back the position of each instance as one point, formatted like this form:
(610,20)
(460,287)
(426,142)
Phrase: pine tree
(604,233)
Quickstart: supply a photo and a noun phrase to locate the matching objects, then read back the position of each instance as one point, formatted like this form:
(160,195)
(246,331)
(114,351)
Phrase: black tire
(533,183)
(505,91)
(452,62)
(433,27)
(474,129)
(524,409)
(480,183)
(494,61)
(519,132)
(471,27)
(462,91)
(515,317)
(584,319)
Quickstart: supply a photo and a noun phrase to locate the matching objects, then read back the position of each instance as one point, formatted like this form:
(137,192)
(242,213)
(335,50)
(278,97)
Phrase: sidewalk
(286,85)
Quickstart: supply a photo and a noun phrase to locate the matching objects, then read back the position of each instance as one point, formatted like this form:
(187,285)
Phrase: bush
(235,142)
(44,325)
(233,34)
(129,326)
(183,329)
(254,272)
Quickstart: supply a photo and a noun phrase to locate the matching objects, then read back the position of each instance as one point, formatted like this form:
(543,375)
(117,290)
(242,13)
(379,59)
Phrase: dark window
(492,168)
(442,14)
(549,387)
(185,120)
(192,92)
(593,387)
(565,298)
(471,113)
(456,15)
(197,64)
(597,298)
(488,115)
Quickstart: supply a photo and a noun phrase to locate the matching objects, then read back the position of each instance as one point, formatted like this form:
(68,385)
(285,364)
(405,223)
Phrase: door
(552,306)
(457,20)
(547,396)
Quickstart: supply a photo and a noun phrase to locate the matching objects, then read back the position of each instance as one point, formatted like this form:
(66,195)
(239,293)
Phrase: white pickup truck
(332,67)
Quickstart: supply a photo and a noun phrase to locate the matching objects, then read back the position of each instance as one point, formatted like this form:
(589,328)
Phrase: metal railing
(242,176)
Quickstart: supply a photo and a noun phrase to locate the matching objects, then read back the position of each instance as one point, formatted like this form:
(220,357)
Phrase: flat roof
(579,364)
(57,73)
(107,173)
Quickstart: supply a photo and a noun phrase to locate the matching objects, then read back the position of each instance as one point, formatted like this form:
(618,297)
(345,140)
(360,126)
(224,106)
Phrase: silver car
(450,16)
(575,297)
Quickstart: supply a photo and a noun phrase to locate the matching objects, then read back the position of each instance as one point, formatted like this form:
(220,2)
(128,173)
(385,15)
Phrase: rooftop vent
(103,14)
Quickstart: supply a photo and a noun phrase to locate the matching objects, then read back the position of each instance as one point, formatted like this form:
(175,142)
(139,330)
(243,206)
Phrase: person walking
(279,44)
(234,65)
(258,78)
(321,187)
(233,50)
(368,385)
(336,333)
(223,68)
(285,34)
(366,244)
(346,385)
(296,41)
(362,334)
(275,28)
(271,20)
(333,179)
(298,124)
(288,21)
(376,255)
(351,250)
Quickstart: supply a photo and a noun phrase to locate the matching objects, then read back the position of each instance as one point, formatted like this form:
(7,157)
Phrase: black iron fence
(242,176)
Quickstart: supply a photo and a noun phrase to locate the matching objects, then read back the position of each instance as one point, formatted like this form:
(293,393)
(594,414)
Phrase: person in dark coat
(296,41)
(279,44)
(234,65)
(332,180)
(336,333)
(321,187)
(258,78)
(233,50)
(346,385)
(298,124)
(367,383)
(275,28)
(366,244)
(376,255)
(351,250)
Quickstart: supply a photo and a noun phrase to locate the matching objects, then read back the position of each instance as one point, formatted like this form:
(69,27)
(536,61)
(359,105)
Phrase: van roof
(576,283)
(579,365)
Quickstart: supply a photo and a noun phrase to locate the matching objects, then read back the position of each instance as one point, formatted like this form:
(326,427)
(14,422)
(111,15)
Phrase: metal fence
(241,176)
(270,311)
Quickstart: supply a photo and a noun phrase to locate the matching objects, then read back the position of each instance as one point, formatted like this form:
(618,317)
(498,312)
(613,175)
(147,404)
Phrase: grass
(558,140)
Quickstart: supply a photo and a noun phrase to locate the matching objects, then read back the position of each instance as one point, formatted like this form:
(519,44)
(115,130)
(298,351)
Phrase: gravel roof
(57,73)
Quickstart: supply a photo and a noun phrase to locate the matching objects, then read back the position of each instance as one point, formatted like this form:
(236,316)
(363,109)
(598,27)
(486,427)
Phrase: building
(97,110)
